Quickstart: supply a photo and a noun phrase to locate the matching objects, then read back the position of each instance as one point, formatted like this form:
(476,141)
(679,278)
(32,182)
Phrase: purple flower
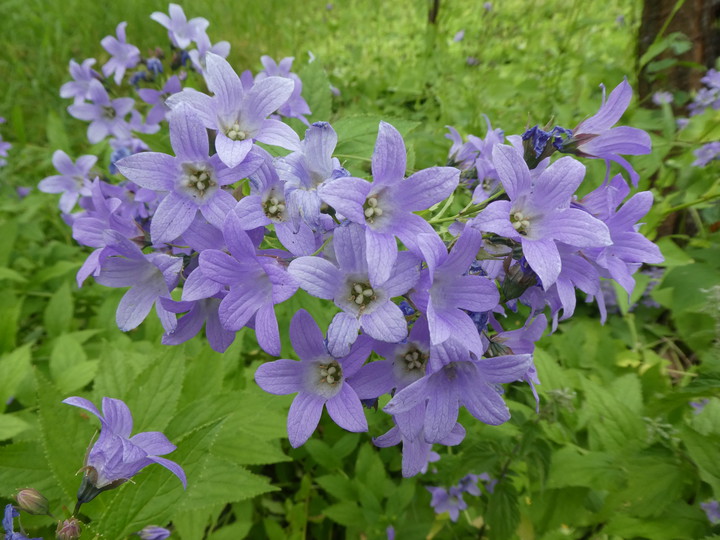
(153,532)
(449,501)
(157,98)
(385,207)
(538,213)
(150,277)
(698,406)
(660,98)
(296,106)
(365,299)
(193,180)
(73,179)
(239,117)
(180,31)
(8,517)
(712,511)
(595,137)
(460,381)
(307,171)
(256,283)
(124,56)
(706,153)
(319,379)
(459,36)
(204,46)
(116,457)
(199,312)
(106,117)
(79,88)
(446,291)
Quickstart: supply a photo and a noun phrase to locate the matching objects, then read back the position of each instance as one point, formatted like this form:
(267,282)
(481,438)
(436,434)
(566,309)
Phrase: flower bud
(153,532)
(32,501)
(68,529)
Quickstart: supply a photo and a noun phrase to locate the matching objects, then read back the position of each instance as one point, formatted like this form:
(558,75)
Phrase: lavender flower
(153,532)
(450,501)
(72,181)
(106,117)
(204,46)
(157,98)
(193,180)
(79,88)
(712,511)
(8,525)
(365,299)
(595,137)
(296,106)
(319,379)
(116,457)
(124,56)
(538,213)
(706,153)
(239,117)
(660,98)
(459,36)
(385,207)
(180,31)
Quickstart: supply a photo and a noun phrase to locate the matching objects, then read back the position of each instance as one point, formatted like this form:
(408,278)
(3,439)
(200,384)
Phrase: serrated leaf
(569,467)
(322,454)
(222,482)
(156,493)
(116,371)
(59,311)
(503,513)
(153,397)
(346,513)
(14,368)
(400,498)
(240,445)
(69,366)
(192,522)
(369,468)
(703,450)
(202,413)
(612,425)
(64,437)
(24,464)
(316,91)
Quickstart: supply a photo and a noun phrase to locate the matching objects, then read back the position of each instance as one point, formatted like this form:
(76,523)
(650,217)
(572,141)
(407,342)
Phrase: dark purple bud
(406,308)
(136,77)
(154,65)
(32,501)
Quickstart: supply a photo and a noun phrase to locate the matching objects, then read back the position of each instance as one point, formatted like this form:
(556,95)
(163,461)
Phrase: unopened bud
(153,532)
(68,529)
(32,501)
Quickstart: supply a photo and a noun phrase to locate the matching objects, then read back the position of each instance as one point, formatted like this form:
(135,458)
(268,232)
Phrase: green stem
(701,200)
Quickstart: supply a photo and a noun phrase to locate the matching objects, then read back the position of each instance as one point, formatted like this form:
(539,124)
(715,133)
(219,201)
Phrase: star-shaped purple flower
(72,181)
(539,214)
(124,56)
(193,180)
(319,379)
(106,116)
(79,87)
(239,117)
(180,31)
(385,207)
(366,301)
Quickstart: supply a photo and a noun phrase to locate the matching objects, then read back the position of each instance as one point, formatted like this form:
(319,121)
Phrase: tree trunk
(698,20)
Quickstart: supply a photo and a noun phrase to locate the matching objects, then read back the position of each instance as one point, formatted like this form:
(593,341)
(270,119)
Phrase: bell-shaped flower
(116,456)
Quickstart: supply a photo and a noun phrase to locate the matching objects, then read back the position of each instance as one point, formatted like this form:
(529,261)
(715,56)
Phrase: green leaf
(11,425)
(69,366)
(703,451)
(241,443)
(155,494)
(14,368)
(64,436)
(24,464)
(59,269)
(59,311)
(316,91)
(119,366)
(503,513)
(322,454)
(153,396)
(346,513)
(11,275)
(612,425)
(56,135)
(338,486)
(570,467)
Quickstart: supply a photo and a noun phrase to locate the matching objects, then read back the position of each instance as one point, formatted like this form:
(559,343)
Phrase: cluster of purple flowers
(451,500)
(429,308)
(708,96)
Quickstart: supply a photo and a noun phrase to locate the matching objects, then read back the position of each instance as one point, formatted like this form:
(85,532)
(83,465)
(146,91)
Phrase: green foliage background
(615,451)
